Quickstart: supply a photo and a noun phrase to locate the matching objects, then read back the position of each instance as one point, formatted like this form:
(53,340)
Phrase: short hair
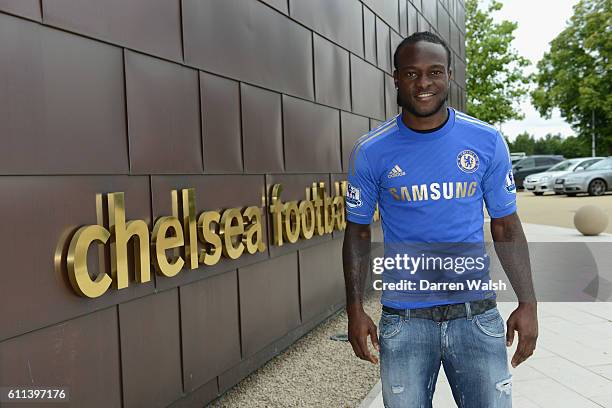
(421,36)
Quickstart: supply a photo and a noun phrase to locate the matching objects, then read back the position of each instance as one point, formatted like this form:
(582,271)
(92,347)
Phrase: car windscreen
(604,164)
(564,165)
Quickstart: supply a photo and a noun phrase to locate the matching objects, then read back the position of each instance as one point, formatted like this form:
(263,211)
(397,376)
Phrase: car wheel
(571,194)
(597,187)
(538,193)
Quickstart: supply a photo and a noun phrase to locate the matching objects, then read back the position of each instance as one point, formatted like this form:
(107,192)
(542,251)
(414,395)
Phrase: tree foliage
(495,79)
(575,75)
(568,147)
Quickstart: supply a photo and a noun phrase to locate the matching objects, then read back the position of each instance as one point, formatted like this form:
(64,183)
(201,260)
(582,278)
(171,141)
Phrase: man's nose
(423,82)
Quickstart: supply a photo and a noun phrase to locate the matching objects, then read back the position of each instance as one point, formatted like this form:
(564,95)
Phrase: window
(543,161)
(526,163)
(588,163)
(564,165)
(605,164)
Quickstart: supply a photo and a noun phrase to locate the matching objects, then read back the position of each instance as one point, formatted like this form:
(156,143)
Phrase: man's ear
(395,80)
(450,74)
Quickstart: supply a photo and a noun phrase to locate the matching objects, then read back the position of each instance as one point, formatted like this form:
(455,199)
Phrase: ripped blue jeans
(471,349)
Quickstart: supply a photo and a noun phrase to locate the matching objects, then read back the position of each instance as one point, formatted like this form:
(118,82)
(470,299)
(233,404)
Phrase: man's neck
(425,123)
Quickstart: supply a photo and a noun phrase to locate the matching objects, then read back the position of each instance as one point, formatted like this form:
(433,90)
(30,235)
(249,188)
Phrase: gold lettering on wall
(186,240)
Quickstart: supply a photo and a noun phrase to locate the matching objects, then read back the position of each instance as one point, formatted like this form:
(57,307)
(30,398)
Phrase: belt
(445,312)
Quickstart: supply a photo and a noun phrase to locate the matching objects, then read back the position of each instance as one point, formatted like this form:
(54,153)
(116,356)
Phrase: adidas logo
(396,171)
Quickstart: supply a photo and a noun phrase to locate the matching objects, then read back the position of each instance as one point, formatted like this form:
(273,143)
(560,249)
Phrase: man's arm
(513,252)
(356,262)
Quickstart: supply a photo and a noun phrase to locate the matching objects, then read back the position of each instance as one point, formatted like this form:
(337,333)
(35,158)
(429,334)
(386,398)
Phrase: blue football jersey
(430,188)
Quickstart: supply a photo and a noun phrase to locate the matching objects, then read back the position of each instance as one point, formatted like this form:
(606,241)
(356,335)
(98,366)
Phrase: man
(429,170)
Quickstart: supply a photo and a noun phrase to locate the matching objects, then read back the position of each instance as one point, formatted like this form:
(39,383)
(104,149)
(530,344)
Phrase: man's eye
(436,73)
(410,74)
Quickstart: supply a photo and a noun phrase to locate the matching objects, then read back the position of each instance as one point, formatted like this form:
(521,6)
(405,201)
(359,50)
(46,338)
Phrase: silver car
(595,180)
(540,183)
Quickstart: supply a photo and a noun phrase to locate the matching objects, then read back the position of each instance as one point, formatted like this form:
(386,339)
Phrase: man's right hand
(360,326)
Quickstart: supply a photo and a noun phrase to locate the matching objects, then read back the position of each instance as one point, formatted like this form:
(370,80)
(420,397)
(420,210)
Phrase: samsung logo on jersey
(434,191)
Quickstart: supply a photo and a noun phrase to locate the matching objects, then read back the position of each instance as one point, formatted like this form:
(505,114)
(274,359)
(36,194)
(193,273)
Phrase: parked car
(516,156)
(531,165)
(540,183)
(595,180)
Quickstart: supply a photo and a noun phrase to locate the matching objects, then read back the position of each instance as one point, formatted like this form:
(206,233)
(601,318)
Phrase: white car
(540,183)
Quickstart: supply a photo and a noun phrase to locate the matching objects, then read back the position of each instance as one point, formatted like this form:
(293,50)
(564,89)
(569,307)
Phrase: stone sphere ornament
(590,220)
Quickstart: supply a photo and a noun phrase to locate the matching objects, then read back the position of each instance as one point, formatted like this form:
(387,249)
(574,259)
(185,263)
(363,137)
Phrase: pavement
(558,210)
(572,365)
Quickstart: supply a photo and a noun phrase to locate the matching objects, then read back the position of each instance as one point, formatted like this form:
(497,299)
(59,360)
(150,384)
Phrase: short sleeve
(362,189)
(498,182)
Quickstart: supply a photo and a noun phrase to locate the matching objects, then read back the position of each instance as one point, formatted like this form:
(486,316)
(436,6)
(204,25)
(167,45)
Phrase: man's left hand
(524,320)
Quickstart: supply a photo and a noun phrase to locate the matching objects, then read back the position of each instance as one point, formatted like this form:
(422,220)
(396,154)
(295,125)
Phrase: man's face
(422,78)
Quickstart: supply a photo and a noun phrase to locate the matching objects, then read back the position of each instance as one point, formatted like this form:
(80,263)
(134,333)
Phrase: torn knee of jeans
(397,389)
(504,386)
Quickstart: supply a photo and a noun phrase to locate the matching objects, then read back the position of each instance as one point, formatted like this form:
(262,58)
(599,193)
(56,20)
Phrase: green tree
(495,79)
(575,75)
(549,144)
(523,143)
(575,147)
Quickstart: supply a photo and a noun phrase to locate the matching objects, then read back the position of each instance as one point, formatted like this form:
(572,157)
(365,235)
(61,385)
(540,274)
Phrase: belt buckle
(440,313)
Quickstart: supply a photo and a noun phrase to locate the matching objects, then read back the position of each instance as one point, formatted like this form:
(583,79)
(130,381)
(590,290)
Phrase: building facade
(184,107)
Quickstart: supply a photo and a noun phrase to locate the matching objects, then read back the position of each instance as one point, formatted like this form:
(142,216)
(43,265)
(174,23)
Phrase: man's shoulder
(375,138)
(469,123)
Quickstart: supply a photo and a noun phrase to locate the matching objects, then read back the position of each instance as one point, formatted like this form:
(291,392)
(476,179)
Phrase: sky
(539,22)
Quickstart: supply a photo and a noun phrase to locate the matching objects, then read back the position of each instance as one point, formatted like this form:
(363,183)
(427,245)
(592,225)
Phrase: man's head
(422,73)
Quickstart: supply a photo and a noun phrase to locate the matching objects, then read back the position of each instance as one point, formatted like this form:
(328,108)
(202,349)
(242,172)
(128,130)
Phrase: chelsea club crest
(467,161)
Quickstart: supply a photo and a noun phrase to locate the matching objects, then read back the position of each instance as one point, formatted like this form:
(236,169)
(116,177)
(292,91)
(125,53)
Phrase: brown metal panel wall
(321,281)
(312,136)
(423,23)
(212,193)
(152,26)
(444,24)
(338,20)
(29,9)
(390,97)
(332,75)
(369,35)
(460,71)
(164,116)
(353,127)
(396,39)
(403,17)
(151,350)
(383,45)
(252,107)
(412,19)
(262,130)
(455,38)
(269,301)
(430,11)
(210,328)
(220,124)
(374,123)
(81,354)
(280,5)
(367,87)
(267,48)
(387,10)
(199,397)
(62,97)
(39,215)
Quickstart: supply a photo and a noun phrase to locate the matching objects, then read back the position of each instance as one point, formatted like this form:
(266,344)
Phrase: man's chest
(420,175)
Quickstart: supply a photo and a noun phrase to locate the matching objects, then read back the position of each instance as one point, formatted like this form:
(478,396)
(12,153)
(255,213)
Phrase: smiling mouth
(425,95)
